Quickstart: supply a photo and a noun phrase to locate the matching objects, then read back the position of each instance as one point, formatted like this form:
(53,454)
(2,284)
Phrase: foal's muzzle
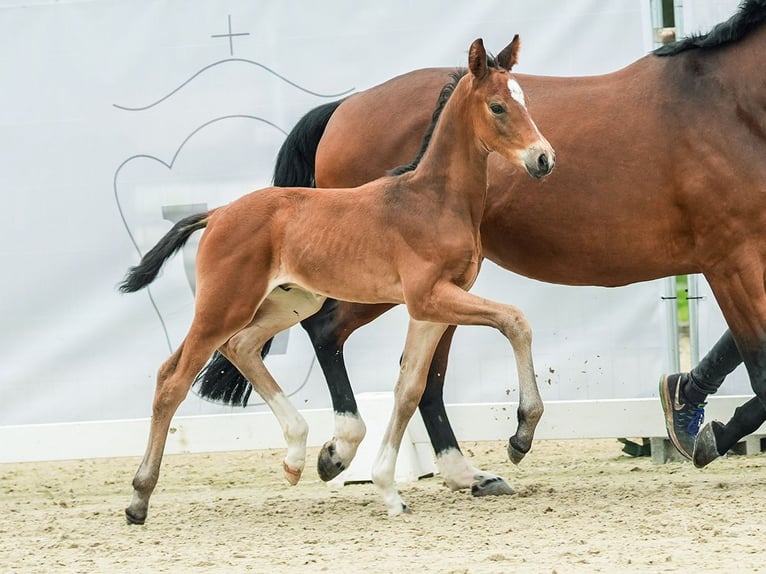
(539,161)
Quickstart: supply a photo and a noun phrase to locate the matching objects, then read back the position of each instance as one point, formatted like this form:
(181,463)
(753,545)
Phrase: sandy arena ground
(580,506)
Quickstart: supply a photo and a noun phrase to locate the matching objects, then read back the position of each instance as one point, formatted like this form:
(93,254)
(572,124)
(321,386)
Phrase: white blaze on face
(516,92)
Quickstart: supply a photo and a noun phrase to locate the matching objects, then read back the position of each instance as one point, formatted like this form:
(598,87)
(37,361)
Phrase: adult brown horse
(411,238)
(662,173)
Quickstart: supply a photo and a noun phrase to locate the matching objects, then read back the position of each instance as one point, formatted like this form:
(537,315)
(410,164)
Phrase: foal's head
(501,119)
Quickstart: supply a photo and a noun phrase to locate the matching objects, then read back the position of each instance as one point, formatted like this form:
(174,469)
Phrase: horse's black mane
(444,95)
(750,15)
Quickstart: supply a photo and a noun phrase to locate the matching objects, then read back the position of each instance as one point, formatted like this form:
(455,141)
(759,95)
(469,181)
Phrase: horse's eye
(497,109)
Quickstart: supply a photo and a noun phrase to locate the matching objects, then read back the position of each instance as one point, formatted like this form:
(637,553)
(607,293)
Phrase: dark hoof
(515,451)
(398,510)
(134,518)
(495,486)
(328,464)
(705,447)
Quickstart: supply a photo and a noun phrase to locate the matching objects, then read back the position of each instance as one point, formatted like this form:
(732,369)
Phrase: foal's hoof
(134,518)
(399,509)
(329,464)
(494,486)
(515,451)
(293,475)
(705,447)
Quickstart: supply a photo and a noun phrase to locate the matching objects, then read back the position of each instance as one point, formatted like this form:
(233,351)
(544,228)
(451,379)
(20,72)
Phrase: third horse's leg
(742,297)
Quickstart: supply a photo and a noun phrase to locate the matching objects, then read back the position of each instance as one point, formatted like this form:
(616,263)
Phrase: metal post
(657,20)
(678,15)
(671,313)
(693,298)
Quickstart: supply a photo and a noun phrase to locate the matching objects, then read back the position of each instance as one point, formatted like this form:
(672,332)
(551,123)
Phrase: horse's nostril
(542,162)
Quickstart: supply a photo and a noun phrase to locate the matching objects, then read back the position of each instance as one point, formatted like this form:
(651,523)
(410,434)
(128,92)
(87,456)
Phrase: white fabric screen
(115,117)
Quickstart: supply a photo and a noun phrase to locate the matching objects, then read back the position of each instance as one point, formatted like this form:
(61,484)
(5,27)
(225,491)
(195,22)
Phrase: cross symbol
(230,36)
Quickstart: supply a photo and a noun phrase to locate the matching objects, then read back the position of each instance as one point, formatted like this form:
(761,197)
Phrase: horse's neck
(455,161)
(739,67)
(744,65)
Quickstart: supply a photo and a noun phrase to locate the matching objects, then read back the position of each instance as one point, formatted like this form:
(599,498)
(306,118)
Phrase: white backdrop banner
(117,118)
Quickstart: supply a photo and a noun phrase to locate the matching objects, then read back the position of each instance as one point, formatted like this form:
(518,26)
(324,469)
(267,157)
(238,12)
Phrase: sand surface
(580,506)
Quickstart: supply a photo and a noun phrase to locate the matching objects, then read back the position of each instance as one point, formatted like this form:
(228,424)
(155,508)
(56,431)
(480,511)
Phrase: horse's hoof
(329,464)
(515,452)
(293,475)
(495,486)
(134,518)
(705,448)
(399,509)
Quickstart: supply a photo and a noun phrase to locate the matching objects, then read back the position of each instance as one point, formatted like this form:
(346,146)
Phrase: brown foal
(270,259)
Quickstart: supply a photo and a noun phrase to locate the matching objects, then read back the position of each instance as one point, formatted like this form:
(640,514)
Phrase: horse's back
(608,214)
(379,129)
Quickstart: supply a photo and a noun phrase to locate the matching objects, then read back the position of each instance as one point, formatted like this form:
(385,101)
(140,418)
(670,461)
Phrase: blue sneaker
(682,420)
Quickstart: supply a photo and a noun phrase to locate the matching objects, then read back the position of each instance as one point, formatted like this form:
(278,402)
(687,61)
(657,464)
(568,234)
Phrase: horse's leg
(422,338)
(328,330)
(448,303)
(227,299)
(280,311)
(742,297)
(715,439)
(174,379)
(454,468)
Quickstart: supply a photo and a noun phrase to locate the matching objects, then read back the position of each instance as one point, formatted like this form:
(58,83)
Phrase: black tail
(296,159)
(220,381)
(145,272)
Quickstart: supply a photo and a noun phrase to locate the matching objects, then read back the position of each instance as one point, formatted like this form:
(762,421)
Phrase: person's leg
(683,395)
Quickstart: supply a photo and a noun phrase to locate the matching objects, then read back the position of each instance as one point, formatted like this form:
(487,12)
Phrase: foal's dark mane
(444,96)
(751,14)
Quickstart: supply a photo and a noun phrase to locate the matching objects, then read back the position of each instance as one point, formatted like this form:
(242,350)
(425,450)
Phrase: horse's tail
(296,159)
(147,270)
(220,381)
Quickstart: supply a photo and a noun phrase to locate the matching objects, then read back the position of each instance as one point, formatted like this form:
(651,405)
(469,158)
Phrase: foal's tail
(147,270)
(220,381)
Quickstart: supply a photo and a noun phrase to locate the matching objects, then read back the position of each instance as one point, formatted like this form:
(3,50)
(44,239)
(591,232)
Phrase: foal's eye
(497,109)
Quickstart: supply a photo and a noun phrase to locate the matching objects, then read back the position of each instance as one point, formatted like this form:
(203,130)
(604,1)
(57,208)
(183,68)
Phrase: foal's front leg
(422,338)
(454,468)
(448,303)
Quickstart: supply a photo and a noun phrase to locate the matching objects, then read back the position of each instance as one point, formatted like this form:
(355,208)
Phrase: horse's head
(501,118)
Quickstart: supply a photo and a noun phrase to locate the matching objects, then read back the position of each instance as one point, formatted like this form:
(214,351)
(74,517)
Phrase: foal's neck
(454,165)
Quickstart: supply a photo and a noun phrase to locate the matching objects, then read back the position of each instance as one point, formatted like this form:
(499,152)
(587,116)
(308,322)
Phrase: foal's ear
(477,59)
(510,54)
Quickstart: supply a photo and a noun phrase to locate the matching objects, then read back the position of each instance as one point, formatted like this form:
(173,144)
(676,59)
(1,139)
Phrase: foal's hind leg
(281,310)
(173,382)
